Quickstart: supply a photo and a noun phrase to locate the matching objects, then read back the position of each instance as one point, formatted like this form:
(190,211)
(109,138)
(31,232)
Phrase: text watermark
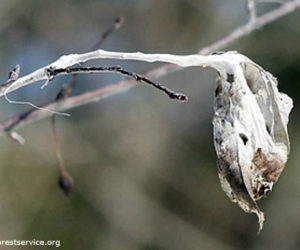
(33,242)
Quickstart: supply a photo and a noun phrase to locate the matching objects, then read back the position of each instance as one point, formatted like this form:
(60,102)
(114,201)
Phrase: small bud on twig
(66,183)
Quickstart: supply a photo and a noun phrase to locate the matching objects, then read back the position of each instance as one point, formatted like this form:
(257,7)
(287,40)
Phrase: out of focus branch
(252,10)
(249,27)
(98,94)
(117,25)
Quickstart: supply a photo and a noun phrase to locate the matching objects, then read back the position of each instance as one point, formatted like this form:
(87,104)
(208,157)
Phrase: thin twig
(117,25)
(99,94)
(57,146)
(67,89)
(65,180)
(88,70)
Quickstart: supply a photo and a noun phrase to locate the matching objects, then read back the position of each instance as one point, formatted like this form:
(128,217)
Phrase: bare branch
(79,100)
(69,60)
(251,26)
(117,69)
(99,94)
(57,146)
(65,180)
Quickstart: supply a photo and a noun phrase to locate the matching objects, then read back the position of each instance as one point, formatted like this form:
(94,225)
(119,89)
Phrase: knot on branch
(51,73)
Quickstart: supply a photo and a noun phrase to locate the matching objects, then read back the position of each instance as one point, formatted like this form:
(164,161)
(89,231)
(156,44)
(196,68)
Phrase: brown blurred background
(144,167)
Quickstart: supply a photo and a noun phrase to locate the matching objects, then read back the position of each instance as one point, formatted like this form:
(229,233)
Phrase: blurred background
(144,166)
